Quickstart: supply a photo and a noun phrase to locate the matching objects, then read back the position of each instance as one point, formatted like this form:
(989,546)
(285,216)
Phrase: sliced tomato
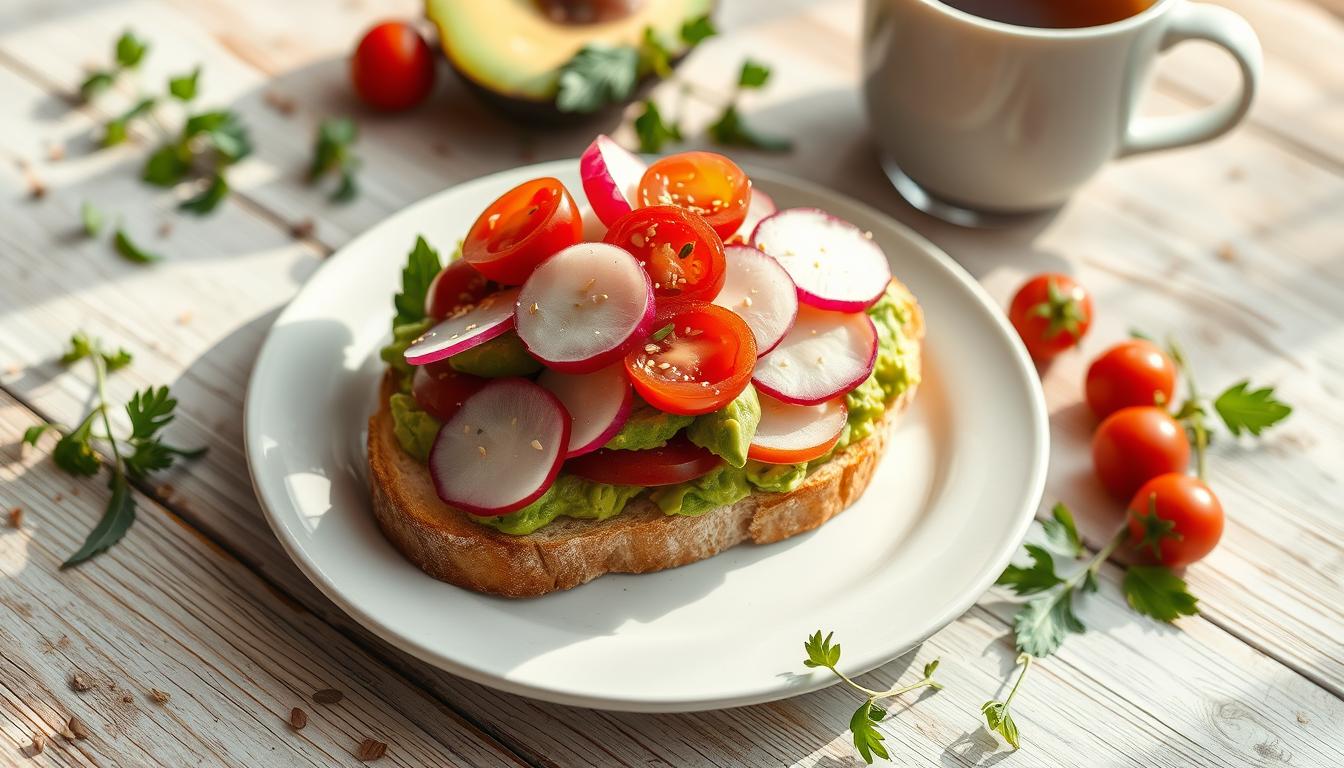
(456,285)
(677,462)
(520,229)
(440,389)
(699,357)
(681,253)
(704,183)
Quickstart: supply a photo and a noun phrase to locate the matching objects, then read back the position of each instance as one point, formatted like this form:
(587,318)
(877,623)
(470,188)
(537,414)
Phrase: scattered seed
(868,234)
(297,719)
(589,284)
(39,744)
(77,728)
(536,444)
(746,301)
(80,683)
(820,361)
(16,517)
(783,363)
(328,695)
(370,750)
(470,327)
(158,697)
(532,310)
(480,449)
(513,422)
(466,429)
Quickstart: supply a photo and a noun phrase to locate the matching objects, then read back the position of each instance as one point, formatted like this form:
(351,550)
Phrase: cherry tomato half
(678,461)
(440,389)
(1134,372)
(681,253)
(1174,519)
(1136,444)
(1051,312)
(392,68)
(698,359)
(704,183)
(456,285)
(520,229)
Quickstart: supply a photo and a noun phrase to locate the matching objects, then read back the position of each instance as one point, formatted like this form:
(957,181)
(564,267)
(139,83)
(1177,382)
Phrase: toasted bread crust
(447,545)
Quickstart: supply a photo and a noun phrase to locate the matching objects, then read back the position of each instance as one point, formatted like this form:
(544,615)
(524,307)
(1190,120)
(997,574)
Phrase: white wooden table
(1238,247)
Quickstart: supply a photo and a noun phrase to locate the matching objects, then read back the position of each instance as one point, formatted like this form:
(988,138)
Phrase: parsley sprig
(333,153)
(133,456)
(602,74)
(127,53)
(997,714)
(821,652)
(729,129)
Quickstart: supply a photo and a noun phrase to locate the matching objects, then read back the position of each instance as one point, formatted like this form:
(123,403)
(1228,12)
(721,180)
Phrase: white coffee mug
(975,116)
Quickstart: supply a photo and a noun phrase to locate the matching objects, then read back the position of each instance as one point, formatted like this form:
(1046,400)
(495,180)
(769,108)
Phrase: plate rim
(855,664)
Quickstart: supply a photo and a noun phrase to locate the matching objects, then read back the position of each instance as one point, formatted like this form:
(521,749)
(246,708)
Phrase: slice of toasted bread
(447,545)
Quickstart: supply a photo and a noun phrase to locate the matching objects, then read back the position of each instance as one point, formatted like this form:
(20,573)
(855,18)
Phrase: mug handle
(1201,21)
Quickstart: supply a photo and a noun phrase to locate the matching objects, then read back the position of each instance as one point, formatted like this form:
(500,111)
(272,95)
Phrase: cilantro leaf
(422,265)
(168,164)
(81,346)
(867,738)
(730,130)
(598,75)
(74,451)
(130,50)
(1155,591)
(332,152)
(183,87)
(1061,532)
(208,198)
(652,130)
(1250,410)
(34,433)
(754,74)
(130,251)
(149,412)
(1043,623)
(96,83)
(91,218)
(695,31)
(223,130)
(820,651)
(117,519)
(115,361)
(1038,577)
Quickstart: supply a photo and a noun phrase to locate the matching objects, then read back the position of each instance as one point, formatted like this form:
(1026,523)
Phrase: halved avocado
(513,50)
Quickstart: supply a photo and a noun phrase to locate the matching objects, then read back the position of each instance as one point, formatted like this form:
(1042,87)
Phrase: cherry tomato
(704,183)
(1136,444)
(681,253)
(456,285)
(1174,519)
(1134,372)
(440,389)
(1051,313)
(520,229)
(677,462)
(698,359)
(393,68)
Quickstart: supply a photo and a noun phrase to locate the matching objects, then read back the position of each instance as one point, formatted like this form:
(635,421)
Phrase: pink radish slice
(598,402)
(825,354)
(761,205)
(501,450)
(758,289)
(585,307)
(791,434)
(835,264)
(610,176)
(465,329)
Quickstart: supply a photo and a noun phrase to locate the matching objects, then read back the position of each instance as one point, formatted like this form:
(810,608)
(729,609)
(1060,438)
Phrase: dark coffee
(1052,14)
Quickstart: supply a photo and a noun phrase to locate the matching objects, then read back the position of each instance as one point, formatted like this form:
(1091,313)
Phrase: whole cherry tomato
(440,389)
(704,183)
(1134,445)
(681,253)
(392,68)
(678,461)
(519,230)
(1134,372)
(1051,313)
(1174,519)
(456,285)
(698,359)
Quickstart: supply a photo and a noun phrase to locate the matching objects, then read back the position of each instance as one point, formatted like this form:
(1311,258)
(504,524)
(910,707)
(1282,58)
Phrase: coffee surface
(1052,14)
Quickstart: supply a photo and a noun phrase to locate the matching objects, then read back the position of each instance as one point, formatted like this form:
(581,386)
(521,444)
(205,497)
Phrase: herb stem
(1193,409)
(1025,660)
(100,377)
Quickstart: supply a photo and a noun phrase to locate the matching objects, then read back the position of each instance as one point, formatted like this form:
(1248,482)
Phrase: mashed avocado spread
(727,433)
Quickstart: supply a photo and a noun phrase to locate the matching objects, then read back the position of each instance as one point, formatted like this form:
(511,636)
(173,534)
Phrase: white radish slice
(610,176)
(835,264)
(585,307)
(758,289)
(465,329)
(792,434)
(501,450)
(824,355)
(760,206)
(598,402)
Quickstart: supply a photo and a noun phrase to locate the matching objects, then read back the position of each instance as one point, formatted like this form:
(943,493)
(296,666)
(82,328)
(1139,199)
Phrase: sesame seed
(466,429)
(513,422)
(820,361)
(651,348)
(470,327)
(868,234)
(480,449)
(536,444)
(532,310)
(746,301)
(664,366)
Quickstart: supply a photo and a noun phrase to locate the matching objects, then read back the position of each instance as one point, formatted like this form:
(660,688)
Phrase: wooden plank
(172,612)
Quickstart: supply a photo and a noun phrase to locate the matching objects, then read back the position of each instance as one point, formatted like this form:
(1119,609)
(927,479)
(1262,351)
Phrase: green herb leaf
(81,346)
(422,265)
(34,433)
(208,198)
(730,130)
(930,668)
(168,165)
(694,31)
(224,131)
(348,188)
(867,738)
(183,87)
(115,361)
(332,152)
(116,130)
(654,57)
(1155,591)
(1044,621)
(754,74)
(149,412)
(117,519)
(91,218)
(1062,533)
(652,130)
(130,50)
(74,451)
(96,83)
(1250,410)
(1000,721)
(662,333)
(820,651)
(1038,577)
(128,250)
(597,75)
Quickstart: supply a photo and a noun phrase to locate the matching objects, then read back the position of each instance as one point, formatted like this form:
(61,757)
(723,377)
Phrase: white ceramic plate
(950,502)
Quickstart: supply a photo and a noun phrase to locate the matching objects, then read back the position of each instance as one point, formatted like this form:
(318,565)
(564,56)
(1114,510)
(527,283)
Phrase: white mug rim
(1115,27)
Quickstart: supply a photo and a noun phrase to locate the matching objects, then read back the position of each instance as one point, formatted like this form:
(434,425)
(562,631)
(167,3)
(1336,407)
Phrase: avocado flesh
(511,49)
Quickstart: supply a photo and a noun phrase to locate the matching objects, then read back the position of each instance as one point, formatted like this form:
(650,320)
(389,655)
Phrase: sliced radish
(761,292)
(598,402)
(792,434)
(761,205)
(824,355)
(835,264)
(501,450)
(610,176)
(465,328)
(585,307)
